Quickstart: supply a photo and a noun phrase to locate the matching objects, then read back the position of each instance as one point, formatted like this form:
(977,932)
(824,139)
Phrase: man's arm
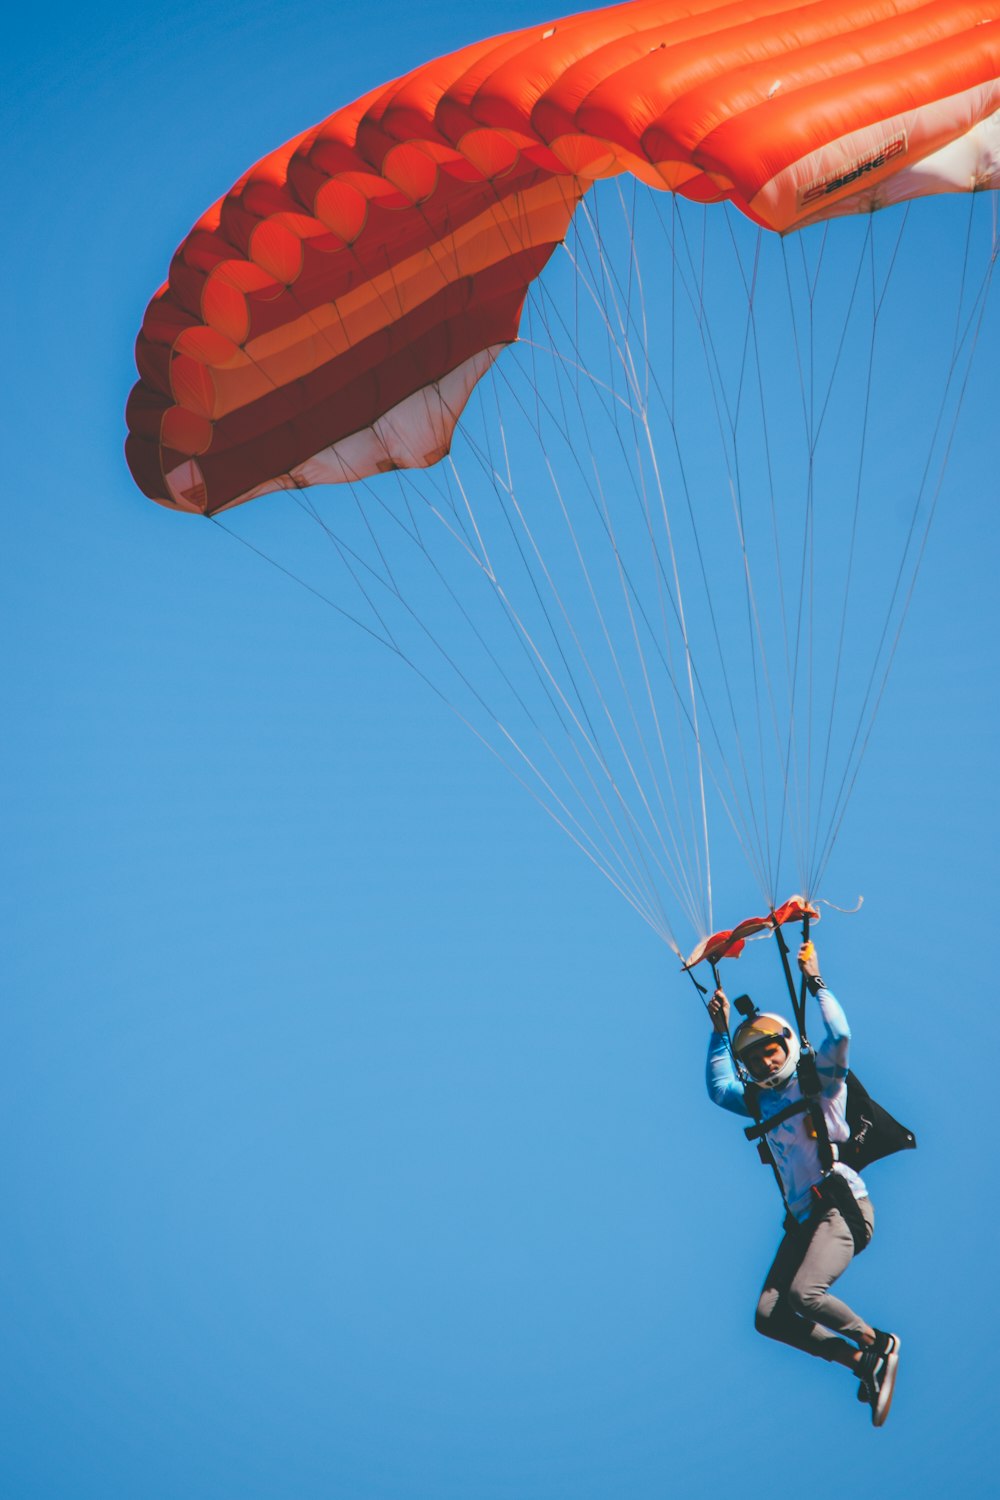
(832,1053)
(724,1088)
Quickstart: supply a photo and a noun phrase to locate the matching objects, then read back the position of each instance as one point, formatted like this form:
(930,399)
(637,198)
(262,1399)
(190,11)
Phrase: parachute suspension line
(814,429)
(697,913)
(792,805)
(611,315)
(621,857)
(815,426)
(688,658)
(867,252)
(609,300)
(553,589)
(504,227)
(754,634)
(629,220)
(773,861)
(642,442)
(464,542)
(609,276)
(649,446)
(386,641)
(577,381)
(589,739)
(634,598)
(389,583)
(595,682)
(659,924)
(635,274)
(782,749)
(974,322)
(811,591)
(864,255)
(799,812)
(567,822)
(960,299)
(600,506)
(877,301)
(751,845)
(855,516)
(814,807)
(659,825)
(742,835)
(554,421)
(721,401)
(813,810)
(725,423)
(656,922)
(550,686)
(757,641)
(967,335)
(754,850)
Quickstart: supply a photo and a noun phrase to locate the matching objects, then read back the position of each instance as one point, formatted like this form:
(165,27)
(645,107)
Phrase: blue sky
(354,1140)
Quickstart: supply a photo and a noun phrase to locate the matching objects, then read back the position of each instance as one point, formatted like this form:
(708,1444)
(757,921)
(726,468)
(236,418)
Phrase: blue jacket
(792,1143)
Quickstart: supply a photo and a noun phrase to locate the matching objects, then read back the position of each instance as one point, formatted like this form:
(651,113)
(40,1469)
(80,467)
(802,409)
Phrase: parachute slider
(730,943)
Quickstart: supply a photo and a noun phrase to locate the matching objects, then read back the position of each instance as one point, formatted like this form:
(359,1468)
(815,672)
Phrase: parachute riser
(729,1039)
(803,985)
(798,999)
(703,992)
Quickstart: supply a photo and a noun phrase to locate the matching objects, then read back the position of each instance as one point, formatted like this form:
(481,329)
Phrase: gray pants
(795,1306)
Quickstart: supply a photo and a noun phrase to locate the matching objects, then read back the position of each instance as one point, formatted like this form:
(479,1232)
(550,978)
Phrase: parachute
(353,308)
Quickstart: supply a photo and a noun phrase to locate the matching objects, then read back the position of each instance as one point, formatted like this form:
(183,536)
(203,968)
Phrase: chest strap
(756,1132)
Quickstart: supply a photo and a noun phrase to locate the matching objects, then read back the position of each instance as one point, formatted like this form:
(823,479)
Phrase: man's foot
(876,1371)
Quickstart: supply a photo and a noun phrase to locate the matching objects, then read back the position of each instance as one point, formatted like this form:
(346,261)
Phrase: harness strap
(755,1132)
(751,1095)
(811,1089)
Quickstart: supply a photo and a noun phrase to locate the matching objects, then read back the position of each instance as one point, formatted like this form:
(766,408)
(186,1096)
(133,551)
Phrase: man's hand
(809,960)
(718,1010)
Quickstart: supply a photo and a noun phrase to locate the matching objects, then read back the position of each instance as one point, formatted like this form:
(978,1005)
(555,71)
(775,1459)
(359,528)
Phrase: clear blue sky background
(353,1140)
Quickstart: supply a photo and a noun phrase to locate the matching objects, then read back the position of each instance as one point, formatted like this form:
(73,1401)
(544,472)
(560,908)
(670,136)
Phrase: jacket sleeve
(832,1053)
(724,1088)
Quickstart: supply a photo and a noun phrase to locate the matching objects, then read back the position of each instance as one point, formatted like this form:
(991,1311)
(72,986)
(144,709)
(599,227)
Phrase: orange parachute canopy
(329,317)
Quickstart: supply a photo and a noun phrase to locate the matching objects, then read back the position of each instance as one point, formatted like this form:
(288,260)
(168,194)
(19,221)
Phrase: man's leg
(796,1292)
(830,1251)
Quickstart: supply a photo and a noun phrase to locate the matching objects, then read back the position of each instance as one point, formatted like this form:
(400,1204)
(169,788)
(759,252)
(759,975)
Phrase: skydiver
(830,1215)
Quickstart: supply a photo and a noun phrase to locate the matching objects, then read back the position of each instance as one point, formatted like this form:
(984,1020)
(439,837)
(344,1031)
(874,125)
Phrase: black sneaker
(877,1375)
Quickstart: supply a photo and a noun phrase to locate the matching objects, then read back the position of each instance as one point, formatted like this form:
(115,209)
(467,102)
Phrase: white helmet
(757,1032)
